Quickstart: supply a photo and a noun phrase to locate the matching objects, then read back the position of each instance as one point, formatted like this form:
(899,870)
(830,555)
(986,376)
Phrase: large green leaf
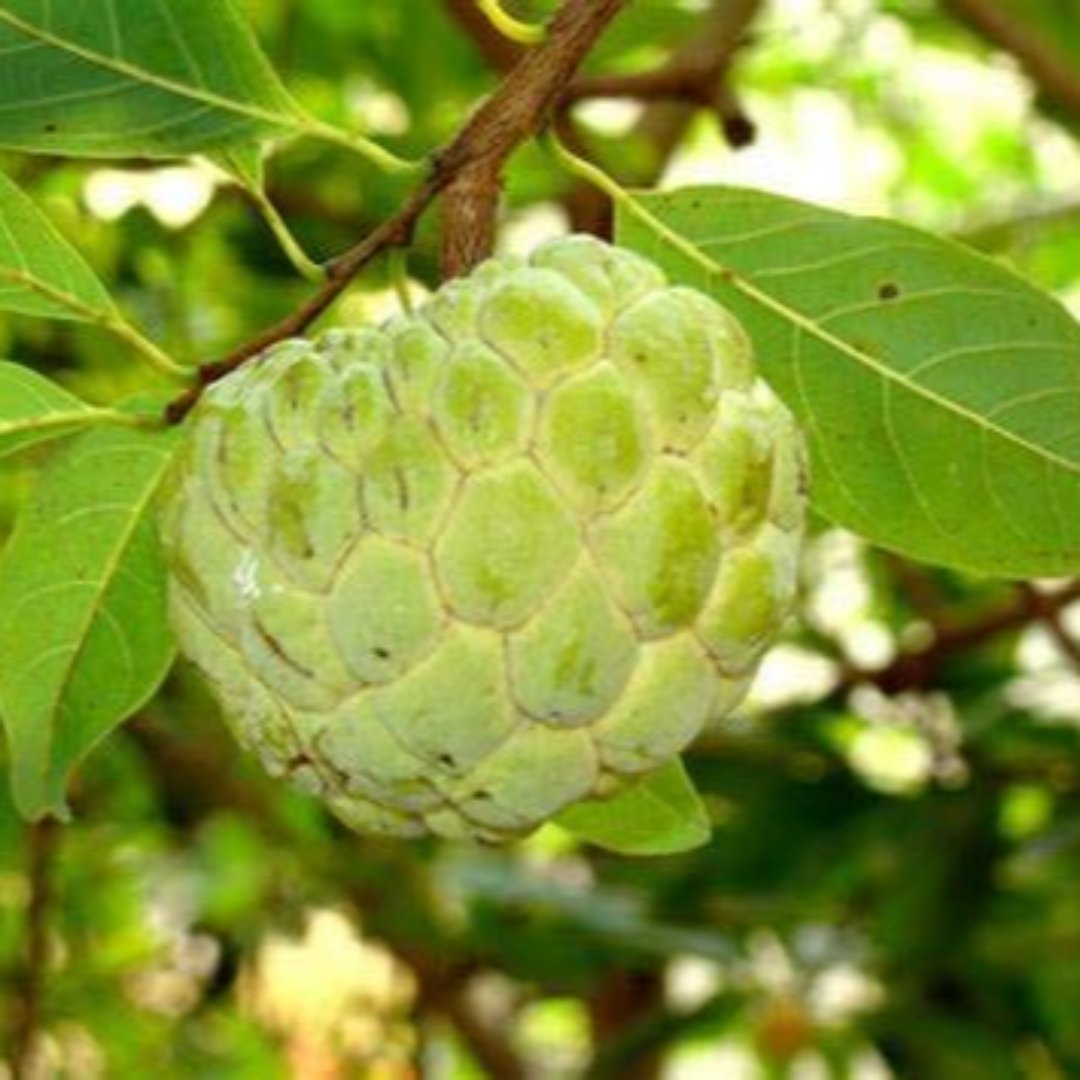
(83,638)
(111,78)
(939,391)
(659,815)
(40,272)
(33,409)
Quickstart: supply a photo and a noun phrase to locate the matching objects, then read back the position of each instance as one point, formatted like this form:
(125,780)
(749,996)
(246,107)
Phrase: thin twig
(1049,611)
(488,1040)
(394,232)
(466,173)
(916,670)
(694,81)
(26,1016)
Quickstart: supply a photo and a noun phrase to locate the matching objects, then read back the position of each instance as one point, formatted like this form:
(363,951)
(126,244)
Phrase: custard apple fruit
(496,557)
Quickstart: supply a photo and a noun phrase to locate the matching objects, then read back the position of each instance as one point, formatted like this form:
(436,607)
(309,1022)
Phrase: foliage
(889,888)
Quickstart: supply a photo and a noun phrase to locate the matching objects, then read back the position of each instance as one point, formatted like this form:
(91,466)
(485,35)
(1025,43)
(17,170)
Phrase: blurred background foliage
(893,888)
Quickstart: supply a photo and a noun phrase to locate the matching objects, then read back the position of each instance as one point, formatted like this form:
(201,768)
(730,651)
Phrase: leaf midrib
(807,325)
(32,283)
(161,82)
(44,421)
(98,605)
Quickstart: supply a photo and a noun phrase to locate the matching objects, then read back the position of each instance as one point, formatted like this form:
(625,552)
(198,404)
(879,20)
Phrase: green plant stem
(592,174)
(158,359)
(372,152)
(305,266)
(111,320)
(513,29)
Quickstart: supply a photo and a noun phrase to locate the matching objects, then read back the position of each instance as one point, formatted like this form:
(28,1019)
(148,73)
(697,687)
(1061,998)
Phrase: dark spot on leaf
(888,290)
(447,760)
(48,128)
(381,653)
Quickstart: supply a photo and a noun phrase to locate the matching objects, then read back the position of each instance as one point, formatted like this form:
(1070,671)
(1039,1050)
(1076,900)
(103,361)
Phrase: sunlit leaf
(34,409)
(659,815)
(40,272)
(109,78)
(83,638)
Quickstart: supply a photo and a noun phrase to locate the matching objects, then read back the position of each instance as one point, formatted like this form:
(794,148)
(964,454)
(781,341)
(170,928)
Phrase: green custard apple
(493,558)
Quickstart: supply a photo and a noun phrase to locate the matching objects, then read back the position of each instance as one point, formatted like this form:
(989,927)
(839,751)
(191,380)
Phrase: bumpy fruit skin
(456,573)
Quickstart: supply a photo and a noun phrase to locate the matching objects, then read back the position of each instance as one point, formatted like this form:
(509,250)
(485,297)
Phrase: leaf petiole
(371,151)
(89,417)
(112,321)
(301,262)
(157,358)
(522,32)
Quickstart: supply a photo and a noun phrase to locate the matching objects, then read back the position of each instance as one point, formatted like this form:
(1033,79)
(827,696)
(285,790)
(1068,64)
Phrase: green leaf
(661,814)
(115,78)
(83,640)
(40,272)
(243,162)
(940,393)
(34,409)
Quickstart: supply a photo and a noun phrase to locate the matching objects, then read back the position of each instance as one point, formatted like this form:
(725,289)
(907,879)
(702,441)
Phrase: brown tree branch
(693,80)
(465,173)
(43,838)
(917,670)
(621,1001)
(1046,67)
(448,996)
(1050,615)
(694,75)
(517,110)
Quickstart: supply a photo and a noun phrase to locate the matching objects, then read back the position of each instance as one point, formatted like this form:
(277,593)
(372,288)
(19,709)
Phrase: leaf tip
(660,814)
